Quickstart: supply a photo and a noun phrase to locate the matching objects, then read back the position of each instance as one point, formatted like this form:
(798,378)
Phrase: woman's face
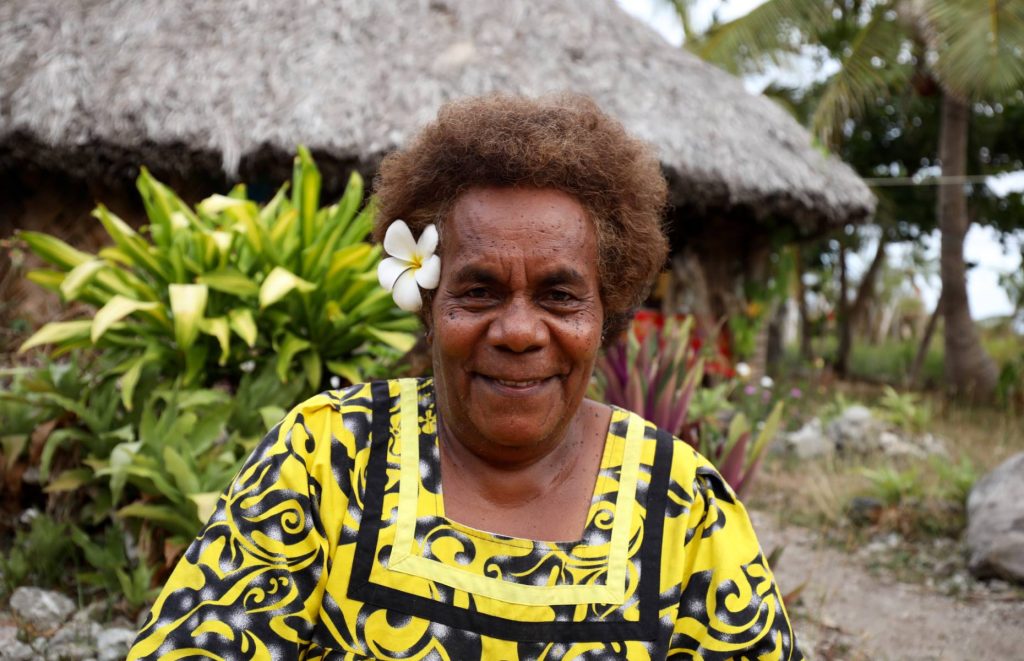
(516,320)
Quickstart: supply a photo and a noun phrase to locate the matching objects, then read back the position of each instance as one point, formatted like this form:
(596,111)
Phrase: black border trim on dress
(360,587)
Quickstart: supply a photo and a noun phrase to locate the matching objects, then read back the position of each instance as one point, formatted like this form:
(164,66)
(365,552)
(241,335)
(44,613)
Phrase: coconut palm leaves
(973,48)
(204,291)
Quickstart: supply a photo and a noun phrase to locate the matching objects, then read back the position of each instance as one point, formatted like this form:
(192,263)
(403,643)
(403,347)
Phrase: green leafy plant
(893,486)
(209,324)
(954,479)
(202,292)
(659,377)
(904,410)
(655,376)
(38,556)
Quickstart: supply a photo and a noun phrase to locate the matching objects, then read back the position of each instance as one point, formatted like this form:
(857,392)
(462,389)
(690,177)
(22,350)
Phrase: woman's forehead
(495,216)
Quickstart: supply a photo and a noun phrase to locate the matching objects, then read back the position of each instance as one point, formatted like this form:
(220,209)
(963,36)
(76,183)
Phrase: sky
(982,245)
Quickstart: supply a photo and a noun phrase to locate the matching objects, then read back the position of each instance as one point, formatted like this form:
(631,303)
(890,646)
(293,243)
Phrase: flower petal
(407,293)
(428,241)
(398,241)
(388,271)
(429,274)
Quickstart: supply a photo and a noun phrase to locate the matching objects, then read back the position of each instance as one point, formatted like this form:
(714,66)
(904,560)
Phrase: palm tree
(963,50)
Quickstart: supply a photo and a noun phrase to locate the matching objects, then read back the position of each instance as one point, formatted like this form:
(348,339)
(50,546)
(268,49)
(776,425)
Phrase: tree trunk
(969,370)
(866,289)
(806,350)
(842,362)
(926,340)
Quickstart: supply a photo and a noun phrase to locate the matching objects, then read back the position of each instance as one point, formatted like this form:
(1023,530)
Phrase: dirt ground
(849,611)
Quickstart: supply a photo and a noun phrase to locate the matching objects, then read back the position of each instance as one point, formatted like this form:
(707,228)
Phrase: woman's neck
(544,495)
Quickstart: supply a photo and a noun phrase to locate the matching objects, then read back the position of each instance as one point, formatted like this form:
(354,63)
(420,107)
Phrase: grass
(853,499)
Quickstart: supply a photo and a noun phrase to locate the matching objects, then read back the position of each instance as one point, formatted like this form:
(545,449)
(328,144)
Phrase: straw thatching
(222,88)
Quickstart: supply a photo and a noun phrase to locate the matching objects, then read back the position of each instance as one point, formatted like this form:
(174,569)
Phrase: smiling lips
(517,384)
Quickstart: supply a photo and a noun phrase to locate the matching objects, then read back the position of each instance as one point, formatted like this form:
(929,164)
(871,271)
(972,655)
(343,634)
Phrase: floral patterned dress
(332,543)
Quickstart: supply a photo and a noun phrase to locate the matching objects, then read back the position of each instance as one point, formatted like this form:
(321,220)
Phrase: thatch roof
(95,87)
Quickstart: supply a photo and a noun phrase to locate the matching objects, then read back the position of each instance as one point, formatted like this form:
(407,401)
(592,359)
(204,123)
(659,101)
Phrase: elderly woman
(491,512)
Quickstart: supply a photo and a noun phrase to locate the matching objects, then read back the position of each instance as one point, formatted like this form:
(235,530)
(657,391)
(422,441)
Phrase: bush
(209,324)
(657,374)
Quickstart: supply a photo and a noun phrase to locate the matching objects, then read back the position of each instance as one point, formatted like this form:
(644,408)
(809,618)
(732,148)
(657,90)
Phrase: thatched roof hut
(222,89)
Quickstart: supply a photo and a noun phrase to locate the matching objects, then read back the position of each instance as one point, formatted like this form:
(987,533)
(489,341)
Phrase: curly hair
(565,142)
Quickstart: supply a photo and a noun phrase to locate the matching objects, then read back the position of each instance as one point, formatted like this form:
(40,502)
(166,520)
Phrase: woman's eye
(476,292)
(560,296)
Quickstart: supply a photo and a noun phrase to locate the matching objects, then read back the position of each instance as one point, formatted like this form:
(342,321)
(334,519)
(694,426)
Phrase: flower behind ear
(410,265)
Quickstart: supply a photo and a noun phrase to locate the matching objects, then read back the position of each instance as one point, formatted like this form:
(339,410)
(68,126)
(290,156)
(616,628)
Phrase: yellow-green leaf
(188,305)
(230,281)
(279,283)
(79,277)
(218,328)
(352,256)
(313,367)
(244,325)
(216,204)
(58,332)
(69,480)
(346,370)
(183,474)
(206,504)
(47,278)
(288,349)
(401,341)
(116,309)
(54,250)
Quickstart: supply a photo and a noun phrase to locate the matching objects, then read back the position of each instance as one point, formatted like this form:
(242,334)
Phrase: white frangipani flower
(767,382)
(743,371)
(410,265)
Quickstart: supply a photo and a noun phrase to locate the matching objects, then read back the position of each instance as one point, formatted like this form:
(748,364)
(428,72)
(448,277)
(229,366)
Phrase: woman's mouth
(514,386)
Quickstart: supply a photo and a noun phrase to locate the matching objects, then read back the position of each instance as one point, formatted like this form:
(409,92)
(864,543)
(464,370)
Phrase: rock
(808,441)
(894,445)
(40,610)
(12,648)
(73,651)
(995,522)
(855,430)
(112,644)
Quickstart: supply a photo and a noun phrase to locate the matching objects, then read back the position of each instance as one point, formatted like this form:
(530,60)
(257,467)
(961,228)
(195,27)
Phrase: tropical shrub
(659,376)
(209,323)
(213,289)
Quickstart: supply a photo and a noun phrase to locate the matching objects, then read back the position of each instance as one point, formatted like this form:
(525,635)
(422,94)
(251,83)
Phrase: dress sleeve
(730,606)
(250,585)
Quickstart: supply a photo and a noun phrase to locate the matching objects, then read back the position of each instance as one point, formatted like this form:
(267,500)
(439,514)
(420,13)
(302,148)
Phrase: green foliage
(111,568)
(213,288)
(892,486)
(210,323)
(954,479)
(39,556)
(905,410)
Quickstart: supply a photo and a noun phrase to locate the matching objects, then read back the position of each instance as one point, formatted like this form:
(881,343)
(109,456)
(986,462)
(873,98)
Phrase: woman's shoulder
(688,469)
(353,407)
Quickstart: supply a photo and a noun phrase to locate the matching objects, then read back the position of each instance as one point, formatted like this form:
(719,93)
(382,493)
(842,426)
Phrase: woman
(492,512)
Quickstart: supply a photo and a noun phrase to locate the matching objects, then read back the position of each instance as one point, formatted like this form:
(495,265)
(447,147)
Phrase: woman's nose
(518,327)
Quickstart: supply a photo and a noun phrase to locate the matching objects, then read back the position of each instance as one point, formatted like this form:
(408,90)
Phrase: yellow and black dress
(332,543)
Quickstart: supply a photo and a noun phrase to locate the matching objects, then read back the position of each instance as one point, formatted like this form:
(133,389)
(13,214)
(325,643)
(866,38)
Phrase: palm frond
(979,45)
(871,68)
(765,35)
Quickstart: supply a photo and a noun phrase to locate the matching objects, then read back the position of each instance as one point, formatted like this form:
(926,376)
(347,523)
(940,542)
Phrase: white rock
(12,648)
(112,644)
(995,522)
(41,610)
(809,441)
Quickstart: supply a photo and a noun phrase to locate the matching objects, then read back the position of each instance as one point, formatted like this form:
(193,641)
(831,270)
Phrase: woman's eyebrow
(475,273)
(562,276)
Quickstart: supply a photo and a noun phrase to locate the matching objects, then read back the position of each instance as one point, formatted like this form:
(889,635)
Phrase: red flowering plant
(656,370)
